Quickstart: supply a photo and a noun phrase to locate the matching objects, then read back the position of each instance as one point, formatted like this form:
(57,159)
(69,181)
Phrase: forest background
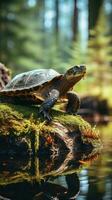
(59,34)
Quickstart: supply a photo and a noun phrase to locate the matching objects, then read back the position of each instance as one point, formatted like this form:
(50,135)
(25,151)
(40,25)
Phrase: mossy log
(31,149)
(22,129)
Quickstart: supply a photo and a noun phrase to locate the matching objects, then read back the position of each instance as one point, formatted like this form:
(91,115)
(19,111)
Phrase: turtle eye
(76,69)
(70,71)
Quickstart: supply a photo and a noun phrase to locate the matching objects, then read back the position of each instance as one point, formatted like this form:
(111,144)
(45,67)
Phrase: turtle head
(75,73)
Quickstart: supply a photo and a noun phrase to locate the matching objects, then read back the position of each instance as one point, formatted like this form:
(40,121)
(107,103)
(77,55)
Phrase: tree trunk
(75,20)
(94,11)
(56,20)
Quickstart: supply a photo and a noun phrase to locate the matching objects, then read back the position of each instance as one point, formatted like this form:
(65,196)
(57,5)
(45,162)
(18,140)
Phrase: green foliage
(99,44)
(77,53)
(28,42)
(99,55)
(21,44)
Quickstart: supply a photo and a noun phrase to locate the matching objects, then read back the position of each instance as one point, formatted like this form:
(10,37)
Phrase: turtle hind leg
(48,104)
(73,102)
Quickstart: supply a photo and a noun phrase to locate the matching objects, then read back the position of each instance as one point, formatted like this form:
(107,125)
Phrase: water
(96,181)
(32,179)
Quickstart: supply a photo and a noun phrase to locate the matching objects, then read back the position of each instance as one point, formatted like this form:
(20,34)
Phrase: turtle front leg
(48,104)
(73,102)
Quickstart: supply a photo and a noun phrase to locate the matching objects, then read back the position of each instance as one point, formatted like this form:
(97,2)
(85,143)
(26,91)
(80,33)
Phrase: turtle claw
(45,114)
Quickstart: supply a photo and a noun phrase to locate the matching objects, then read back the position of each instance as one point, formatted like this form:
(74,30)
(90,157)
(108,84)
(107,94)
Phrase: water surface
(35,180)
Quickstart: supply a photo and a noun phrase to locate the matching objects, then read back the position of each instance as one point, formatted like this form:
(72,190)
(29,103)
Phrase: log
(40,149)
(24,131)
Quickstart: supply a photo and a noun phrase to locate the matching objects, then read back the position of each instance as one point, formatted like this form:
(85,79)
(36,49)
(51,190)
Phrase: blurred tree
(108,12)
(75,20)
(94,8)
(77,55)
(7,22)
(57,19)
(21,35)
(100,53)
(41,33)
(39,13)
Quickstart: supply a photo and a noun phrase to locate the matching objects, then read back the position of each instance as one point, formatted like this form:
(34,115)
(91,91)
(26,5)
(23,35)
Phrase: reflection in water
(99,176)
(56,191)
(45,178)
(62,178)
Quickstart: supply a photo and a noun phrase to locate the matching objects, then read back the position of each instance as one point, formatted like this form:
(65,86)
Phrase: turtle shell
(31,79)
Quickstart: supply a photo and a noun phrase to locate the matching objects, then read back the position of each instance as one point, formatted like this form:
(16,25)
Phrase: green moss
(12,121)
(6,111)
(25,121)
(73,121)
(31,112)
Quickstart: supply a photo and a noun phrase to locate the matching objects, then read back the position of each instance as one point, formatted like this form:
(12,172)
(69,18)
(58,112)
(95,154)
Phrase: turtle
(45,87)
